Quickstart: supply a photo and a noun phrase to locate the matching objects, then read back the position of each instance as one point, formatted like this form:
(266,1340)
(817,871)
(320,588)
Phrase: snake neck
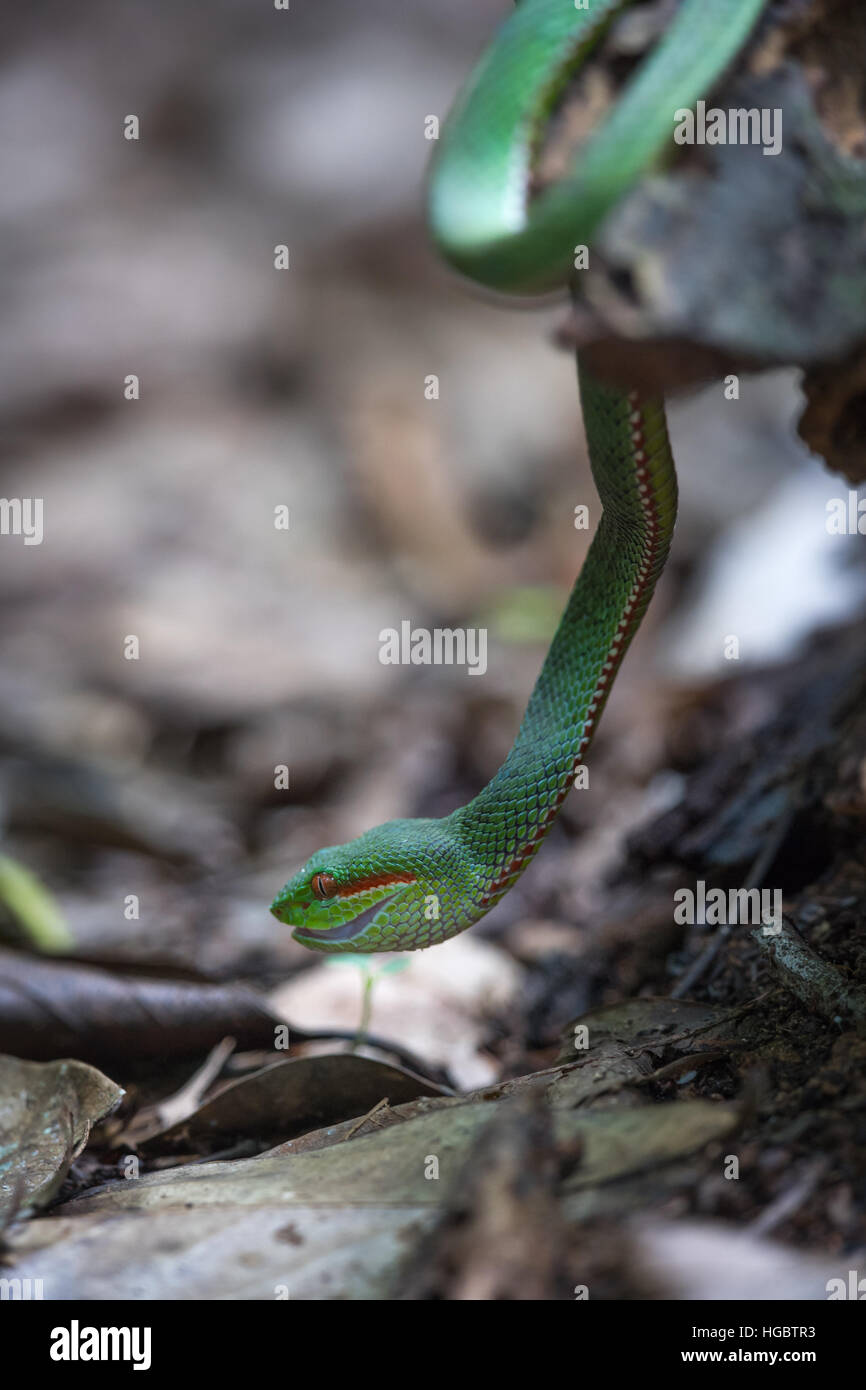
(633,469)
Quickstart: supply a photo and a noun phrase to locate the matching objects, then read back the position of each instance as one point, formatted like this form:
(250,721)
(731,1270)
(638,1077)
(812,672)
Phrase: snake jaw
(354,917)
(345,936)
(398,887)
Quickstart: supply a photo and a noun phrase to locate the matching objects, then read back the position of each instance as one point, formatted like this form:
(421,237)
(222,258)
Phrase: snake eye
(323,886)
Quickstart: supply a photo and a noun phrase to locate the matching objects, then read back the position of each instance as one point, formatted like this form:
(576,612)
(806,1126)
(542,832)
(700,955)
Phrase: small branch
(822,987)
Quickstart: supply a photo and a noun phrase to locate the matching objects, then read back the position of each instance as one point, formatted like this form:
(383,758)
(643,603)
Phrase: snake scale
(408,884)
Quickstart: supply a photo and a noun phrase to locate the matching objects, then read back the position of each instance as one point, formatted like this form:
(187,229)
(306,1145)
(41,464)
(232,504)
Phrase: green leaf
(33,907)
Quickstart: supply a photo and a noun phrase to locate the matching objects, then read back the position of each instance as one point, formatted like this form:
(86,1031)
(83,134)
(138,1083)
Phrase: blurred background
(305,388)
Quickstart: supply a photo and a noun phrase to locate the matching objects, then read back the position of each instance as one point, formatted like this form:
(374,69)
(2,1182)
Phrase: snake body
(409,884)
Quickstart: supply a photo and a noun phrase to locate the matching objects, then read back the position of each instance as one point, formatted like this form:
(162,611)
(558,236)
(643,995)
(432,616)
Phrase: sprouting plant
(33,908)
(369,976)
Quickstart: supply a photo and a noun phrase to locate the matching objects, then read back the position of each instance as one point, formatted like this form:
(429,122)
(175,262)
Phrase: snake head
(399,887)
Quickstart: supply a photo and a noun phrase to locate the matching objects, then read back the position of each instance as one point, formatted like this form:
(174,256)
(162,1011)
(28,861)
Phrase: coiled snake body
(412,883)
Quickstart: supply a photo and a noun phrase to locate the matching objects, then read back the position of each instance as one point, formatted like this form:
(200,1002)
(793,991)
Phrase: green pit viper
(413,883)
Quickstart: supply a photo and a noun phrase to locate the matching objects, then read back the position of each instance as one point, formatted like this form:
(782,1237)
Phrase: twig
(380,1105)
(819,985)
(788,1201)
(182,1104)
